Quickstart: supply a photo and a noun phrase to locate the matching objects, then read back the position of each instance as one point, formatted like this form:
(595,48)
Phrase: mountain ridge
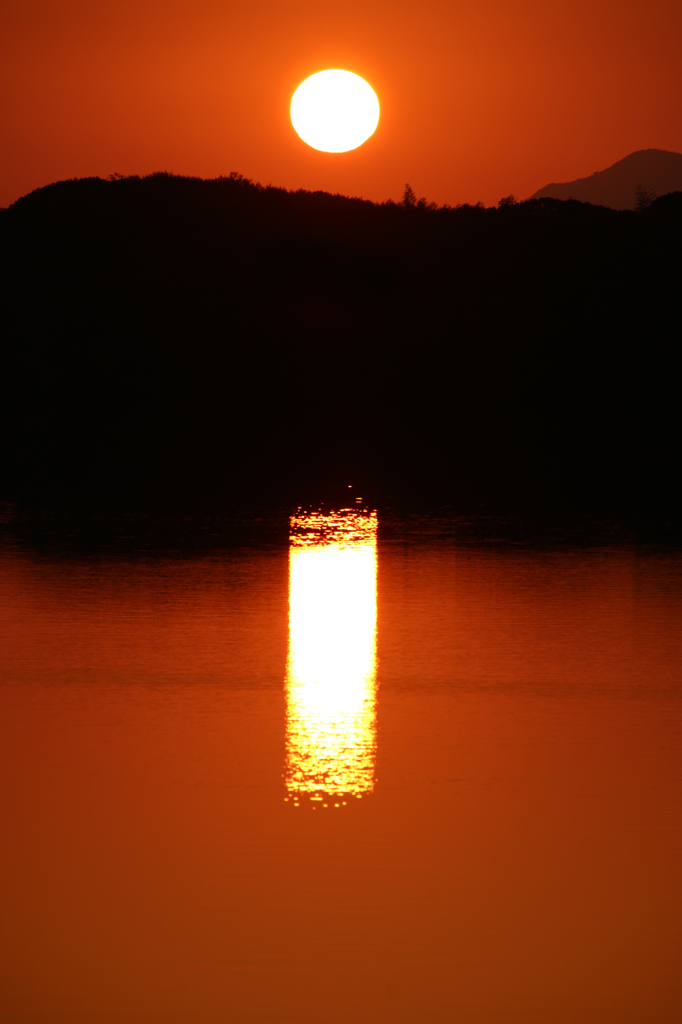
(657,171)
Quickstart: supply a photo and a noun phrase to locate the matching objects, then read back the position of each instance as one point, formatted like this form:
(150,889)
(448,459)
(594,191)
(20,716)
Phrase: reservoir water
(348,774)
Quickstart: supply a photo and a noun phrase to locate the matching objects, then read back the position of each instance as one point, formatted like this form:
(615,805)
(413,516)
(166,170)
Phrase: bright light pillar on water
(331,665)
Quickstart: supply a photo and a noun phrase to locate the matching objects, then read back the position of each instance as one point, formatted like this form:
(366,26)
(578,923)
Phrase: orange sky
(477,99)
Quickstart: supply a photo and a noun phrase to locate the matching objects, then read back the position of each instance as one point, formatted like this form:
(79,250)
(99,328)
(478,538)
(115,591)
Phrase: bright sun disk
(335,111)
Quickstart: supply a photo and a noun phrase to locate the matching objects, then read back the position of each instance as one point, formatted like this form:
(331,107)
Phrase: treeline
(174,340)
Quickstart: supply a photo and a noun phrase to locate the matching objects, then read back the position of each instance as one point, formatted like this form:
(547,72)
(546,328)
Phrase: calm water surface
(348,779)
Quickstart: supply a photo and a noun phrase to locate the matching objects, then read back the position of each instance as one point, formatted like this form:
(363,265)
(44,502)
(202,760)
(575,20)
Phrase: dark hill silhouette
(656,171)
(173,340)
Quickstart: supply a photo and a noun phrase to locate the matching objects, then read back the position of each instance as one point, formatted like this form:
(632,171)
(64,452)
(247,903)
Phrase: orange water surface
(357,779)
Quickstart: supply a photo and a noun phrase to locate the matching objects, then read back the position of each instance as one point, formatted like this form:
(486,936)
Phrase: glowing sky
(477,100)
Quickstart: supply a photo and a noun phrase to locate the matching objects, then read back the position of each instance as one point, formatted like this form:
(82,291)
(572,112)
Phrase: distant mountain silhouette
(656,171)
(172,340)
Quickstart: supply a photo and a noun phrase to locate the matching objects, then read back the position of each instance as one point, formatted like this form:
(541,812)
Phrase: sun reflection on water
(331,666)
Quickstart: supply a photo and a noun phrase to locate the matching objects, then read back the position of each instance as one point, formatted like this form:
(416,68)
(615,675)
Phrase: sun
(335,111)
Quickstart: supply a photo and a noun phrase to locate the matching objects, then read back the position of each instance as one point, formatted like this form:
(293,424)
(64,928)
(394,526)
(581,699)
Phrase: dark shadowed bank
(184,342)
